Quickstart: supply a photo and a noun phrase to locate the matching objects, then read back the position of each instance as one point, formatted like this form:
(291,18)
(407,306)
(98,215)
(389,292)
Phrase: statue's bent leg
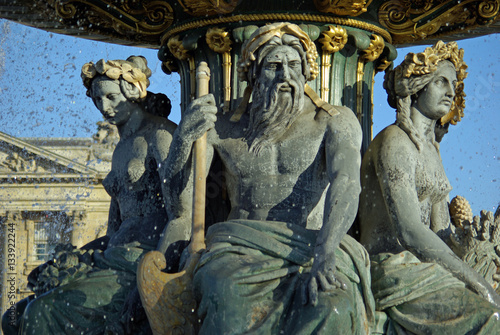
(425,298)
(335,313)
(229,304)
(451,311)
(88,305)
(11,319)
(341,311)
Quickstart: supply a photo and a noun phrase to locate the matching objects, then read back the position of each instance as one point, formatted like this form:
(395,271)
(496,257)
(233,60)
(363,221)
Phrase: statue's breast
(110,183)
(133,168)
(430,178)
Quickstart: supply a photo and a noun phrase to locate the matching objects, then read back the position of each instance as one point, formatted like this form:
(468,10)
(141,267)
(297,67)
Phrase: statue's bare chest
(129,166)
(430,177)
(291,156)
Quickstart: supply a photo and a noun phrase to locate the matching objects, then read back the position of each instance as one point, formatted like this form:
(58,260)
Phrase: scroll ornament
(410,21)
(342,7)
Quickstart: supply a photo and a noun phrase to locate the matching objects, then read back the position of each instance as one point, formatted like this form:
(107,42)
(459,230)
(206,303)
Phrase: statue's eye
(294,64)
(441,81)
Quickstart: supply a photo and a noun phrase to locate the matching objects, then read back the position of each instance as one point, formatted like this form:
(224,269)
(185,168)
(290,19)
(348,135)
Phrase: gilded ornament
(374,50)
(460,211)
(334,39)
(410,21)
(342,7)
(327,19)
(177,49)
(383,65)
(208,7)
(488,10)
(218,40)
(126,17)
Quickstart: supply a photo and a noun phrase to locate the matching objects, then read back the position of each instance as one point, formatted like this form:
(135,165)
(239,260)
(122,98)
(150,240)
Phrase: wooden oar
(200,167)
(168,297)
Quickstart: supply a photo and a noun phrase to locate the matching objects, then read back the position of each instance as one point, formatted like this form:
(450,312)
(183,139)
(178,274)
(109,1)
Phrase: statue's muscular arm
(343,160)
(176,169)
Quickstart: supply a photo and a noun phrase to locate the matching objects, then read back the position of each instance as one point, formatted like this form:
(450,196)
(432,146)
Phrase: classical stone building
(50,192)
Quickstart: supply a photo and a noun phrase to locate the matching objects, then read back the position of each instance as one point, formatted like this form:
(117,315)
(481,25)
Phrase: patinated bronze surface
(283,158)
(405,224)
(92,290)
(280,261)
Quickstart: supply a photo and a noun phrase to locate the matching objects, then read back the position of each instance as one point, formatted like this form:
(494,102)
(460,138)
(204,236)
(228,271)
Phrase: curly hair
(416,71)
(133,71)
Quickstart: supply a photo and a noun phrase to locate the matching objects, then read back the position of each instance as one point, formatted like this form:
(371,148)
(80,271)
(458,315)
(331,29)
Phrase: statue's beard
(272,112)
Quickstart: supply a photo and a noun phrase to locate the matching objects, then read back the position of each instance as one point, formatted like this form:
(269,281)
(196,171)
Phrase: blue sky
(41,95)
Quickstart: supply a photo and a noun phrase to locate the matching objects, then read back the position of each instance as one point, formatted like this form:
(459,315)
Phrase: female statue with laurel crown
(416,278)
(92,290)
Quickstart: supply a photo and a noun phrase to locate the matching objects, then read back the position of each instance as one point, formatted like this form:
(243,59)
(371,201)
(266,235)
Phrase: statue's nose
(450,90)
(105,105)
(285,72)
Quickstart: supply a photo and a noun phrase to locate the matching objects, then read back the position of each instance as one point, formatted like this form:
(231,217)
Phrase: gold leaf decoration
(342,7)
(175,46)
(374,50)
(127,17)
(208,7)
(218,40)
(410,21)
(384,64)
(460,211)
(114,69)
(334,39)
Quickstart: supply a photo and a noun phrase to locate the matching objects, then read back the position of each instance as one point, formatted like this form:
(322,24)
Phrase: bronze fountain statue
(278,106)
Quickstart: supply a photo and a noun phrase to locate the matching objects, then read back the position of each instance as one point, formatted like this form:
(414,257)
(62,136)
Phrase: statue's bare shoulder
(393,147)
(341,125)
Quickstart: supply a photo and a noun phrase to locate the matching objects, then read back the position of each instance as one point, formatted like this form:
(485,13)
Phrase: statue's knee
(336,303)
(11,319)
(37,307)
(214,281)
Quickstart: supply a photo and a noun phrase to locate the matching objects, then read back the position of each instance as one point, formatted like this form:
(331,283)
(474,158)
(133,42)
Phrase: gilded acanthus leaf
(333,39)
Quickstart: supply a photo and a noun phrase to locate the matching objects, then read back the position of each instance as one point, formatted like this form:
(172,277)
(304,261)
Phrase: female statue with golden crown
(416,278)
(92,290)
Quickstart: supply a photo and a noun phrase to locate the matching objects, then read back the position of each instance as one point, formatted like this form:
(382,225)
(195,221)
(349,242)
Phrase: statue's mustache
(285,86)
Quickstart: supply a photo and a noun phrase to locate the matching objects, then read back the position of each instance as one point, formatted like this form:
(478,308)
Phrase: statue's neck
(423,125)
(133,124)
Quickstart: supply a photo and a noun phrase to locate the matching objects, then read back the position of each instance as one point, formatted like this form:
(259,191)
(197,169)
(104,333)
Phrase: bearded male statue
(267,270)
